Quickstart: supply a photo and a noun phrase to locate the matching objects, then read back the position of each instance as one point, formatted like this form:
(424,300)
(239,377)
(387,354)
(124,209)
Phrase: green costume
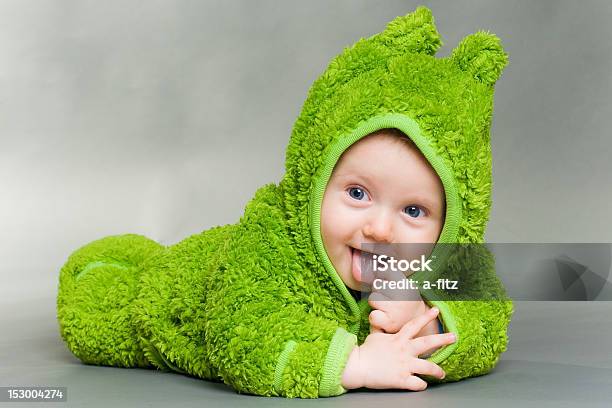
(258,304)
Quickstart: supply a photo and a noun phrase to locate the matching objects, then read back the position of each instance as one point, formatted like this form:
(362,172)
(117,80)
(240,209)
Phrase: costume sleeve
(480,322)
(265,346)
(266,332)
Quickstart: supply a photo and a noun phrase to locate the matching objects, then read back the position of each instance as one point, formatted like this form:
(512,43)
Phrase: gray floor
(558,357)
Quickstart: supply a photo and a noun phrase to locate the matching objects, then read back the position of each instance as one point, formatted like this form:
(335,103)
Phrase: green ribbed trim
(281,363)
(331,155)
(340,347)
(448,321)
(158,358)
(363,304)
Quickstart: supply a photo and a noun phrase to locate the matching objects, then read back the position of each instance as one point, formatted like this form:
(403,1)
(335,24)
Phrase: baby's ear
(482,56)
(415,32)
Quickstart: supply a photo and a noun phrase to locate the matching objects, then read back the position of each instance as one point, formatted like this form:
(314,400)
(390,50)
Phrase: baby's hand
(391,360)
(389,316)
(393,308)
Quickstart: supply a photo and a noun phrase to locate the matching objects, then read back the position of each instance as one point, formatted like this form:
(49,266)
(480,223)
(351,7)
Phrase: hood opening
(332,154)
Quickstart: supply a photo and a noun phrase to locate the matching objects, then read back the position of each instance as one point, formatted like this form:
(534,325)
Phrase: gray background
(164,117)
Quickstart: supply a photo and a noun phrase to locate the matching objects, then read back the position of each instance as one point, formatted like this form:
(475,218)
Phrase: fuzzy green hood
(257,304)
(393,80)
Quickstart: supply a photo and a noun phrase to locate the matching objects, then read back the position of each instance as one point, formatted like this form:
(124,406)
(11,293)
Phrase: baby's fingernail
(443,375)
(452,336)
(434,310)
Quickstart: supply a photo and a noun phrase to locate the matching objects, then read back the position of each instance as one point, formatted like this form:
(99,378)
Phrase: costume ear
(482,56)
(414,32)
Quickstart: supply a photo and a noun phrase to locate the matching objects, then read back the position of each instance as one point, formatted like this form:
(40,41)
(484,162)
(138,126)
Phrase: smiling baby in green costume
(367,201)
(267,305)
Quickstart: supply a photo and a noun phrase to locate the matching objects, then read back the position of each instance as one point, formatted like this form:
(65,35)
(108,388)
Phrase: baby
(383,190)
(391,146)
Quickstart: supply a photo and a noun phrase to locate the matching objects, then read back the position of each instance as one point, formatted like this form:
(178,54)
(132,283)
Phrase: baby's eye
(414,211)
(357,193)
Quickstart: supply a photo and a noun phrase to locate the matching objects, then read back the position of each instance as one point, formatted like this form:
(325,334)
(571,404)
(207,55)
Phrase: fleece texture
(257,304)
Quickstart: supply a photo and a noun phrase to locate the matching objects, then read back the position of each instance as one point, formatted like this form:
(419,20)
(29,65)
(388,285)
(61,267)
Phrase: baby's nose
(379,230)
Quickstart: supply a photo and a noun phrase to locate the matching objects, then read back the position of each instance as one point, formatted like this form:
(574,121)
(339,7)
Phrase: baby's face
(380,191)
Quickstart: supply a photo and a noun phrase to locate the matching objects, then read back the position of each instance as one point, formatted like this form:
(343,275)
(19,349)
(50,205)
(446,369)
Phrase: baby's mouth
(365,276)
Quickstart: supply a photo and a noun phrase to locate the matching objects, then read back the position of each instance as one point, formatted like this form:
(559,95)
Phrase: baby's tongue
(365,276)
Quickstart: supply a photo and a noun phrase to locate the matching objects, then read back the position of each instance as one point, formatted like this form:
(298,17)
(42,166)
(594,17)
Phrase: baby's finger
(382,289)
(395,286)
(380,319)
(413,383)
(425,367)
(389,282)
(414,326)
(425,344)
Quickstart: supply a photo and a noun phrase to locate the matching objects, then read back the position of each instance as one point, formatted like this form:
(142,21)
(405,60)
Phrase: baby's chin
(347,277)
(349,281)
(352,284)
